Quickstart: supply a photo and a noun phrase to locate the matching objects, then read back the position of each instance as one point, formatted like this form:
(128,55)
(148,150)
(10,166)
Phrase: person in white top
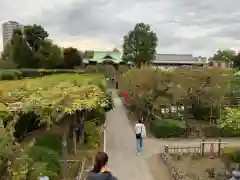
(140,132)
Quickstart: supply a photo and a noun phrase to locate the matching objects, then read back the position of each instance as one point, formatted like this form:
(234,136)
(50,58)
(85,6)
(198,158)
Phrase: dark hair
(101,159)
(140,121)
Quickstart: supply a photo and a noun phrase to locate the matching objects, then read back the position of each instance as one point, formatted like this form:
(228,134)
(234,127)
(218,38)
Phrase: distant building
(177,60)
(105,56)
(7,30)
(160,61)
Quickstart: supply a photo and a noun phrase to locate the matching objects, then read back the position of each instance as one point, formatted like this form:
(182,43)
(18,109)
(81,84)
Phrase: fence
(202,148)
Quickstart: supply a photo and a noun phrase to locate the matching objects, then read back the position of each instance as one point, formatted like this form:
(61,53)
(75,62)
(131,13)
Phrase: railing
(175,172)
(179,149)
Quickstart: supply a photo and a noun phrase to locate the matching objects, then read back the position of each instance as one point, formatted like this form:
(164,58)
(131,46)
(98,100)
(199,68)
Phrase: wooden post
(64,155)
(202,147)
(74,133)
(166,148)
(219,146)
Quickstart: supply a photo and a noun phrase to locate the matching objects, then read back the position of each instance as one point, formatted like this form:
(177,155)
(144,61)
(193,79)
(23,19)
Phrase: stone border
(175,172)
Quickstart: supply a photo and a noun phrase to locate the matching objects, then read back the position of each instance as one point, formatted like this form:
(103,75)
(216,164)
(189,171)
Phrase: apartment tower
(7,30)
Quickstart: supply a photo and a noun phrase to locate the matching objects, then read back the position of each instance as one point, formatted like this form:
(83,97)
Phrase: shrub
(50,141)
(212,131)
(49,157)
(109,102)
(91,134)
(231,153)
(10,75)
(231,119)
(216,131)
(164,128)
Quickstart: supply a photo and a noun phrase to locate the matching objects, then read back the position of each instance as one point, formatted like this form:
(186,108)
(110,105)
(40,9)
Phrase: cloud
(182,26)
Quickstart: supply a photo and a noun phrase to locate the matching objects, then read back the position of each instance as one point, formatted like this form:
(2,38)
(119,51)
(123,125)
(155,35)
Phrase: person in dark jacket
(99,171)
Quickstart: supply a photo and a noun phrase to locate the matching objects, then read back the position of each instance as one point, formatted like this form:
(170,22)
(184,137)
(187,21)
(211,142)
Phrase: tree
(34,35)
(72,57)
(48,55)
(236,61)
(139,45)
(88,54)
(21,53)
(224,55)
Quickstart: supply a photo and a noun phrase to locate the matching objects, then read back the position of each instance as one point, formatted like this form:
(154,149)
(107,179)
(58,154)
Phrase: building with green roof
(105,56)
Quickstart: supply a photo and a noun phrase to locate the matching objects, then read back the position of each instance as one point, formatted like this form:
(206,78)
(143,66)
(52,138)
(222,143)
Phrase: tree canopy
(225,55)
(31,48)
(236,61)
(139,45)
(72,57)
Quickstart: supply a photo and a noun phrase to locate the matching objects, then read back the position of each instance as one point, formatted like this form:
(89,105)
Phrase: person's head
(101,159)
(140,121)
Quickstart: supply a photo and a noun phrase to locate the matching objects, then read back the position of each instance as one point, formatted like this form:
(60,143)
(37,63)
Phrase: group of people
(100,170)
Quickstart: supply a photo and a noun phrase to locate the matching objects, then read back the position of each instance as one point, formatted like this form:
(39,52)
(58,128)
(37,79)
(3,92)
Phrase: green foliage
(236,61)
(231,119)
(165,128)
(224,55)
(139,45)
(48,55)
(72,58)
(32,49)
(109,102)
(35,35)
(199,89)
(49,157)
(15,163)
(10,75)
(212,131)
(91,134)
(88,54)
(50,141)
(217,131)
(231,153)
(49,96)
(22,54)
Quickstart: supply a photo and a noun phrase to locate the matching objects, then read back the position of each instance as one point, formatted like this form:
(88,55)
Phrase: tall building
(7,30)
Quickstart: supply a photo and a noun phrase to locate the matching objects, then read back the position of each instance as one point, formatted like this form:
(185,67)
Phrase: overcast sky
(199,27)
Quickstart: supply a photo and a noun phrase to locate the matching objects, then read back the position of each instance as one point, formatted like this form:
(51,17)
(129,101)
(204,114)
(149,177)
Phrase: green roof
(101,56)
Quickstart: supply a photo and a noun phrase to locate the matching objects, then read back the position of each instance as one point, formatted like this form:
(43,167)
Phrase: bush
(10,75)
(212,131)
(109,102)
(216,131)
(165,128)
(232,153)
(48,156)
(50,141)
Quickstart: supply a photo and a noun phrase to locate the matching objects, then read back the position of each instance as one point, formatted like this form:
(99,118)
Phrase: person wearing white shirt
(140,132)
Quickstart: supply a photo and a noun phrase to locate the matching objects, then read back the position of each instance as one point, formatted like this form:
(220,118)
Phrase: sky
(198,27)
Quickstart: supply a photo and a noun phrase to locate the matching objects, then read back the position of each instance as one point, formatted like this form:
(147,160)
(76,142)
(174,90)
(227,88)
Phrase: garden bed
(195,166)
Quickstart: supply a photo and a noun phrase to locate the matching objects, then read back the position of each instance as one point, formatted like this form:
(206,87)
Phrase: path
(121,147)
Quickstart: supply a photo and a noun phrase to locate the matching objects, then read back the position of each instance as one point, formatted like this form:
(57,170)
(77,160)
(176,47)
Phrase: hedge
(14,74)
(165,128)
(48,156)
(231,153)
(50,141)
(216,131)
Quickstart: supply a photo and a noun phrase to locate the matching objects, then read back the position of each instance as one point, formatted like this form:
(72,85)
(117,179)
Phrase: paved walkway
(121,147)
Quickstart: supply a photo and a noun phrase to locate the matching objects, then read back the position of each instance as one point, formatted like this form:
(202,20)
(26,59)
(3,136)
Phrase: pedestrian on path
(100,171)
(140,131)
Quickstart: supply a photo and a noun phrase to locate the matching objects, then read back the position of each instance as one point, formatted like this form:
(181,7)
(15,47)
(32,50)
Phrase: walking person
(100,171)
(140,131)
